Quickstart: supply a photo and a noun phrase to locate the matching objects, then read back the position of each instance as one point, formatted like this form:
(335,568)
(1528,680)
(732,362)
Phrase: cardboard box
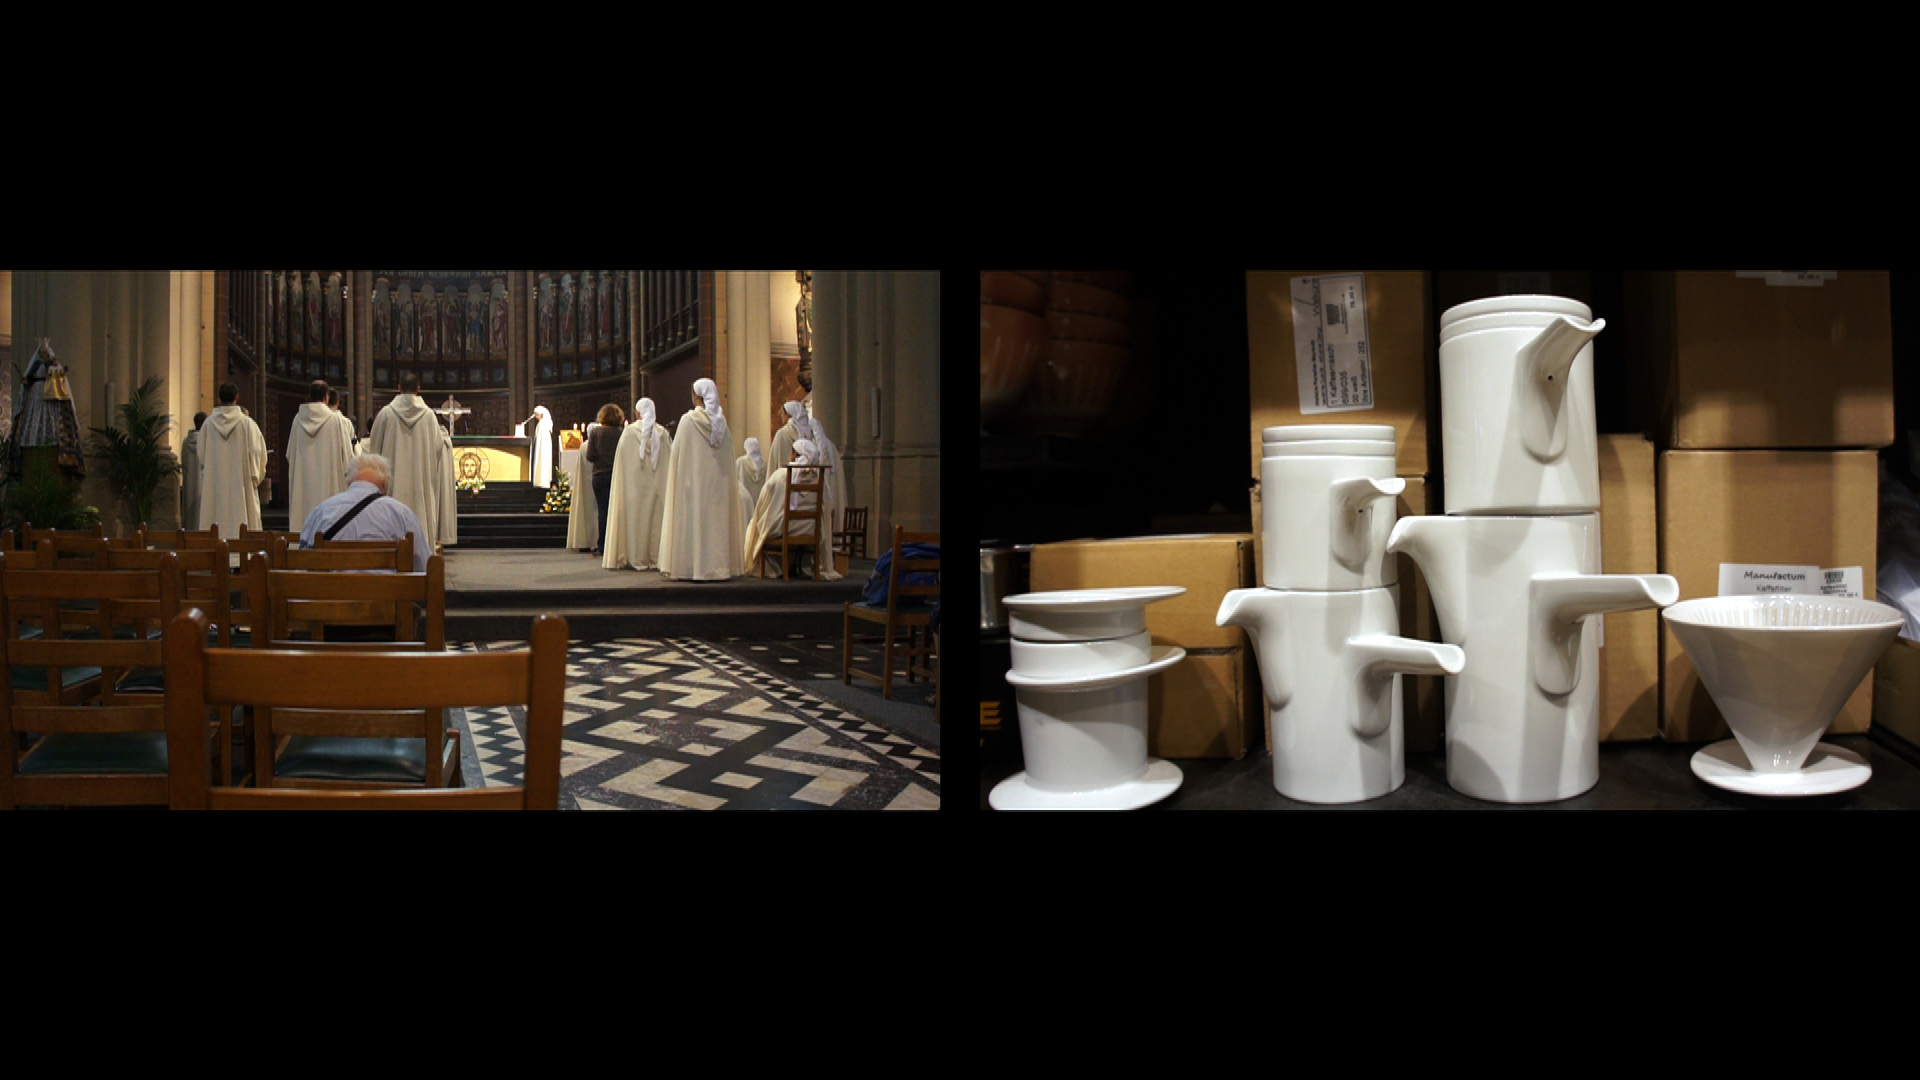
(1424,704)
(1629,544)
(1401,347)
(1783,360)
(1896,690)
(1769,507)
(1208,705)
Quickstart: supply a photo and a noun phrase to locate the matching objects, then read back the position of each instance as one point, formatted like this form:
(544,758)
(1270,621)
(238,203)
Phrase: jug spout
(1257,611)
(1542,373)
(1432,541)
(1561,604)
(1355,501)
(1379,657)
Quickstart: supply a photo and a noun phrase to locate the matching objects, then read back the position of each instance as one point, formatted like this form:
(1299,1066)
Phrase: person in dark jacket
(602,445)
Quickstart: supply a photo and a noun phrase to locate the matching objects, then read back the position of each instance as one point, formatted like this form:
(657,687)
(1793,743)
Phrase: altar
(492,458)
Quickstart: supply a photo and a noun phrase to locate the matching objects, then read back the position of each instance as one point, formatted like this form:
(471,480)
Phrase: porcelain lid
(1307,432)
(1084,614)
(1500,305)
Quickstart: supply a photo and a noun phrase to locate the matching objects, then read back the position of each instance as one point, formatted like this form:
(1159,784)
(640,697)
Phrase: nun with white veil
(637,509)
(751,471)
(770,514)
(583,517)
(700,538)
(801,425)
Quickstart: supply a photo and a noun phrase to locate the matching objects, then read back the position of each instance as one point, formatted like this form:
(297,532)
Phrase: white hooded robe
(701,534)
(542,435)
(583,516)
(318,453)
(408,434)
(636,512)
(835,493)
(233,462)
(770,517)
(751,472)
(449,497)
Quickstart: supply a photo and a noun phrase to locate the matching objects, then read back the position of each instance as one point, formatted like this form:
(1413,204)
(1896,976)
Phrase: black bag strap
(350,515)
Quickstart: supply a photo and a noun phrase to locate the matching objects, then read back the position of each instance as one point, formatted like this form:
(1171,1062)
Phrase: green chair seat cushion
(317,757)
(34,679)
(146,680)
(66,753)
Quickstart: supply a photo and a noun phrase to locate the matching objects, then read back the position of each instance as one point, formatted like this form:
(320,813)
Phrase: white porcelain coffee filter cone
(1083,614)
(1064,658)
(1781,667)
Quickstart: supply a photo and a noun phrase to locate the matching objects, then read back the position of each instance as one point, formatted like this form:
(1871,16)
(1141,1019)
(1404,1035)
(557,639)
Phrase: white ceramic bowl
(1056,659)
(1781,667)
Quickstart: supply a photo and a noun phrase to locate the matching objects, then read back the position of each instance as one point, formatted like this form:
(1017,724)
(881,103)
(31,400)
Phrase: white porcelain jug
(1516,594)
(1516,406)
(1331,665)
(1327,494)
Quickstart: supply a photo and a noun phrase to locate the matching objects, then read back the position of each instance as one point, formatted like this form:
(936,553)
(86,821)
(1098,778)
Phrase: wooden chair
(108,749)
(851,540)
(799,484)
(206,584)
(351,750)
(274,681)
(176,539)
(909,608)
(395,555)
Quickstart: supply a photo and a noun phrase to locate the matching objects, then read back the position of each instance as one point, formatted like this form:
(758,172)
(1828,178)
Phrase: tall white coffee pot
(1516,593)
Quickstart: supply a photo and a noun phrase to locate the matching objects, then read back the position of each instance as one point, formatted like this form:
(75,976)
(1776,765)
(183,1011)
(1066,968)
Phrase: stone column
(521,345)
(633,336)
(360,375)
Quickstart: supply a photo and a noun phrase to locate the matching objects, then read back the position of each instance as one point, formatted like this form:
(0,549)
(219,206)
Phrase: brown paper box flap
(1208,567)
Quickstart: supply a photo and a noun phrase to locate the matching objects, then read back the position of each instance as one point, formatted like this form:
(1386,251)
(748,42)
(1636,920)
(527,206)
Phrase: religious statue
(275,330)
(47,417)
(497,343)
(620,308)
(429,325)
(606,307)
(380,331)
(566,312)
(295,339)
(314,325)
(403,326)
(803,319)
(450,324)
(587,291)
(333,314)
(476,323)
(546,315)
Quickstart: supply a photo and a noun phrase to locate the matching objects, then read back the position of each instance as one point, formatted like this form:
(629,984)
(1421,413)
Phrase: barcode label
(1814,278)
(1330,343)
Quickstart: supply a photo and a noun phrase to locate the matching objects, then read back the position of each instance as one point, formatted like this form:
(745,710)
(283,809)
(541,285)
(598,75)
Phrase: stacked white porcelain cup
(1323,625)
(1514,565)
(1081,660)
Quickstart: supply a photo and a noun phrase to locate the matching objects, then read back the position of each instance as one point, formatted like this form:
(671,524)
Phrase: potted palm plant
(134,454)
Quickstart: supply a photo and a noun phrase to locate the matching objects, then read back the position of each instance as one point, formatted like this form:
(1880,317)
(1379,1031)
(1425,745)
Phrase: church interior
(790,680)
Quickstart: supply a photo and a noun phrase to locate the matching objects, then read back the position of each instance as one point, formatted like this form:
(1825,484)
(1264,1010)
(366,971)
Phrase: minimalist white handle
(1561,604)
(1354,504)
(1540,383)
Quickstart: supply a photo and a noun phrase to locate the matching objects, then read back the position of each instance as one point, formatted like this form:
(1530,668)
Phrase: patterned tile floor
(684,724)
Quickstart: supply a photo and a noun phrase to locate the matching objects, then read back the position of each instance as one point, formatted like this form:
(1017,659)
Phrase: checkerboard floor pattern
(682,724)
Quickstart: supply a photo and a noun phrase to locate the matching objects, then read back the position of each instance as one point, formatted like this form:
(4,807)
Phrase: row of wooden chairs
(80,650)
(908,611)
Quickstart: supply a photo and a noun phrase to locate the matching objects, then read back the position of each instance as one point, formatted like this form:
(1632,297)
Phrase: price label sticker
(1752,579)
(1330,349)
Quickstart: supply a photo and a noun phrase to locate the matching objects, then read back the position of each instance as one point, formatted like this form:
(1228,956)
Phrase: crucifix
(452,411)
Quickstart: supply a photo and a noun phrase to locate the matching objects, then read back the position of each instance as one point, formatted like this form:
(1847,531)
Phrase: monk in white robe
(318,453)
(449,497)
(583,517)
(190,475)
(751,471)
(233,462)
(542,436)
(408,434)
(637,508)
(770,515)
(791,432)
(700,538)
